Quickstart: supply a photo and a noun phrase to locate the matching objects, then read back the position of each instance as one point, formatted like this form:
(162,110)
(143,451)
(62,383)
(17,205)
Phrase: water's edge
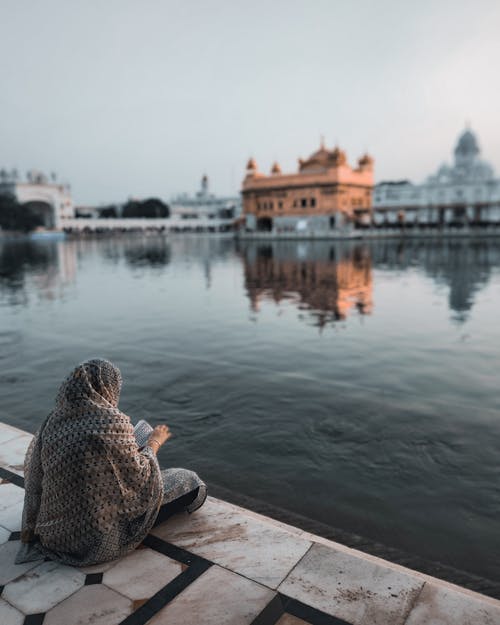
(397,556)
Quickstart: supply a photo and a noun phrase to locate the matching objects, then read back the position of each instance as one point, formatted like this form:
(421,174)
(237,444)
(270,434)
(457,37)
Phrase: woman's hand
(159,435)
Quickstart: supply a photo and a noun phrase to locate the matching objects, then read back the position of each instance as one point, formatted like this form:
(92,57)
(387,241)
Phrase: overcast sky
(141,97)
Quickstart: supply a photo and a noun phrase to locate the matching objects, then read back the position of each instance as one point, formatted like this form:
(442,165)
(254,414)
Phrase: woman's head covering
(96,380)
(90,494)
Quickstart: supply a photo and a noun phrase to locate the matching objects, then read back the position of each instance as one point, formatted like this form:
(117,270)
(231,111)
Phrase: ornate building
(465,193)
(50,199)
(325,194)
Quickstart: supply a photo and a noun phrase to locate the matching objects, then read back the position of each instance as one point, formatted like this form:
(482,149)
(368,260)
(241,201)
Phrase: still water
(356,384)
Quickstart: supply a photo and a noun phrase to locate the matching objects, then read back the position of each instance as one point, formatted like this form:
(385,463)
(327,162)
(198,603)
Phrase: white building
(51,200)
(205,205)
(465,193)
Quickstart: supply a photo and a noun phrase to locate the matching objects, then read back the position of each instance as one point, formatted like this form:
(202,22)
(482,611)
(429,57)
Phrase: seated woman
(91,495)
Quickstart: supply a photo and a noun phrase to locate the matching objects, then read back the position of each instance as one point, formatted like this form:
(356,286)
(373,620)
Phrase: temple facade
(466,193)
(325,194)
(52,201)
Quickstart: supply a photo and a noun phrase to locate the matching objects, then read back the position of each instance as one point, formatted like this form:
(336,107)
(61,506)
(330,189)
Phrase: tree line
(151,208)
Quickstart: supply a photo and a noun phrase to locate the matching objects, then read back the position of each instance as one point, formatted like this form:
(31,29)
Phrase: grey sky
(140,97)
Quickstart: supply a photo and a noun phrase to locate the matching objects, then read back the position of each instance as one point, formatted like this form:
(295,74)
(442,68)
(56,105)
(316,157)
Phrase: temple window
(313,201)
(303,202)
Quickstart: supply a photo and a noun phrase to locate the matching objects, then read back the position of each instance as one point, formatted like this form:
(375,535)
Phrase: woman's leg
(177,505)
(179,482)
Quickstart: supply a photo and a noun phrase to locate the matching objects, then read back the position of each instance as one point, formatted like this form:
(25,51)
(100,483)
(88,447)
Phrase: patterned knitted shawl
(90,494)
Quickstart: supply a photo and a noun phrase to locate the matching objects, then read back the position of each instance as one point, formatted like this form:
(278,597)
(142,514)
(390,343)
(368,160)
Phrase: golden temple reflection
(329,281)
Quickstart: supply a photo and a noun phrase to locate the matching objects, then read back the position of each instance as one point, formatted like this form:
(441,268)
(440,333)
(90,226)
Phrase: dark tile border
(93,578)
(282,604)
(167,593)
(273,611)
(34,619)
(12,477)
(176,553)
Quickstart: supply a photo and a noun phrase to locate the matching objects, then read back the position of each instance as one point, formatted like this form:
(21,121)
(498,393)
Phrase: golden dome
(366,159)
(276,169)
(338,156)
(252,164)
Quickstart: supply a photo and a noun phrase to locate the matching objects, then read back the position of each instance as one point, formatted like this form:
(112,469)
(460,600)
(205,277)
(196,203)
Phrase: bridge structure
(173,223)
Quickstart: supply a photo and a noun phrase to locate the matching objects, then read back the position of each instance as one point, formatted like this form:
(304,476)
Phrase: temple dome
(337,156)
(365,161)
(467,144)
(252,164)
(276,169)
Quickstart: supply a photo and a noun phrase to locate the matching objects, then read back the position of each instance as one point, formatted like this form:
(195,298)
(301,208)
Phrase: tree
(15,216)
(107,211)
(131,209)
(153,207)
(150,208)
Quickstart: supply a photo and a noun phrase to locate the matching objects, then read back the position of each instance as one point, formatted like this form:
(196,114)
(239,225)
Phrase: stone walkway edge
(222,565)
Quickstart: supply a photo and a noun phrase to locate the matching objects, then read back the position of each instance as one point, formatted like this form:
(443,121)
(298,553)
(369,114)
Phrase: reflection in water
(462,265)
(327,280)
(147,252)
(47,266)
(334,280)
(330,281)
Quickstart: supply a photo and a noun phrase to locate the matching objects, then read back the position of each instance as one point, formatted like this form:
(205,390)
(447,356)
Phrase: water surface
(356,384)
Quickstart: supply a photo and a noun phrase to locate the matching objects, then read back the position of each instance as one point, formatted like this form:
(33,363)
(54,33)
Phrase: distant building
(205,205)
(465,193)
(51,200)
(325,194)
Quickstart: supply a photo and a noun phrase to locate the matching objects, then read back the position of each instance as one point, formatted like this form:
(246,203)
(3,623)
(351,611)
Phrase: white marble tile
(9,615)
(11,506)
(352,588)
(12,453)
(218,597)
(98,568)
(43,587)
(10,494)
(4,535)
(91,605)
(11,518)
(251,547)
(141,574)
(437,605)
(8,432)
(9,570)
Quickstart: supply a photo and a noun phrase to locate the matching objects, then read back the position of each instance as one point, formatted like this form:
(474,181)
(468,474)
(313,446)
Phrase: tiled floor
(223,565)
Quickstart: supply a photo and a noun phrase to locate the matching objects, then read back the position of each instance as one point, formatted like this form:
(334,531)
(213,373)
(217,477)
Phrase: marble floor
(222,565)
